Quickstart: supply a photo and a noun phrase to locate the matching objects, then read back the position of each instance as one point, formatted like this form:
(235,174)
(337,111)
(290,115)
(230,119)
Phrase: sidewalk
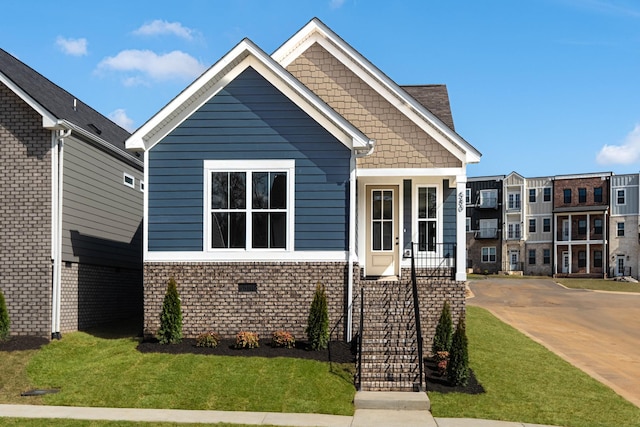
(361,418)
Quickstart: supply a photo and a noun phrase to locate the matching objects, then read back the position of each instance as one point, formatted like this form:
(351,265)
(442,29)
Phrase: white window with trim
(488,198)
(513,201)
(128,180)
(427,218)
(249,204)
(513,231)
(467,196)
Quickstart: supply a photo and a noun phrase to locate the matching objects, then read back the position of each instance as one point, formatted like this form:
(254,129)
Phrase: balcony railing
(486,233)
(488,202)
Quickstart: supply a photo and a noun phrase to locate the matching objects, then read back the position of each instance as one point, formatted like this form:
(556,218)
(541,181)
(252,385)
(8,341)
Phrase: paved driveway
(599,332)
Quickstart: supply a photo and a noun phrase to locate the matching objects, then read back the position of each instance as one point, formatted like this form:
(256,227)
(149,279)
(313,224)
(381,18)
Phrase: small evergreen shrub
(318,322)
(4,319)
(246,339)
(444,331)
(171,317)
(207,339)
(458,366)
(283,339)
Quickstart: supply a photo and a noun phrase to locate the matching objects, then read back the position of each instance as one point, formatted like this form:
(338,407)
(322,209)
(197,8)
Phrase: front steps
(389,340)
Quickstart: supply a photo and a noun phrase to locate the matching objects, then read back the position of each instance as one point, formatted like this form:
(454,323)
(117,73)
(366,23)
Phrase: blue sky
(540,87)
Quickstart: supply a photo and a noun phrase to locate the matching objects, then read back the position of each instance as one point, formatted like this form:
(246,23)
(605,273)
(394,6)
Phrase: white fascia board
(49,121)
(246,53)
(248,256)
(316,31)
(409,172)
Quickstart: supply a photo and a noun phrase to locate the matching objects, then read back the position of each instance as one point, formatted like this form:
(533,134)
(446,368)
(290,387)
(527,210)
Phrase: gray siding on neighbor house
(629,183)
(102,217)
(249,119)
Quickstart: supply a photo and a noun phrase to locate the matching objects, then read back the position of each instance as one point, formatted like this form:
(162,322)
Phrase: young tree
(171,317)
(458,366)
(318,322)
(4,319)
(444,331)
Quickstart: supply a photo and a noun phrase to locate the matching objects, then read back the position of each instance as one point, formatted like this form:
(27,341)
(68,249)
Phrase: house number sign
(460,201)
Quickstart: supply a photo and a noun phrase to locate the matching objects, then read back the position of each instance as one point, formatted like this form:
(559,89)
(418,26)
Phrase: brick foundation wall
(25,216)
(94,295)
(211,300)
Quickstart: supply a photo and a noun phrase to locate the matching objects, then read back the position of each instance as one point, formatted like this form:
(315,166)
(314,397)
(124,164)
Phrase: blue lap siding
(249,119)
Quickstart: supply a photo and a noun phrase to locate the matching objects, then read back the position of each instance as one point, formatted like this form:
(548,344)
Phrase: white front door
(514,257)
(382,231)
(565,262)
(620,266)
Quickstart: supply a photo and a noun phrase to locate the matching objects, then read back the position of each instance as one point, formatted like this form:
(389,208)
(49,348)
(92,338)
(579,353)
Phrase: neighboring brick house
(270,174)
(70,255)
(581,219)
(624,231)
(484,224)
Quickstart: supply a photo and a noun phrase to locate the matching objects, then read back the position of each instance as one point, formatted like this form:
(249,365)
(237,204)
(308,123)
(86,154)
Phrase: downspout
(352,233)
(57,241)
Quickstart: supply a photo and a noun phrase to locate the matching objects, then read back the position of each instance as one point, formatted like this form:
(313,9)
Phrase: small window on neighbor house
(582,226)
(468,224)
(620,197)
(597,226)
(546,194)
(546,225)
(582,195)
(467,196)
(129,180)
(532,256)
(546,256)
(532,195)
(582,259)
(597,258)
(532,225)
(620,229)
(567,195)
(142,186)
(597,194)
(489,254)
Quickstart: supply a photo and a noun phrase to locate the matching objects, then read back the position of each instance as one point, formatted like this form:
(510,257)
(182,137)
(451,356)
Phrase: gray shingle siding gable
(249,119)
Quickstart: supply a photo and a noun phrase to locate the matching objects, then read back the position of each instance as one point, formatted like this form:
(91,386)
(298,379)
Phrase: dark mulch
(440,384)
(23,343)
(338,351)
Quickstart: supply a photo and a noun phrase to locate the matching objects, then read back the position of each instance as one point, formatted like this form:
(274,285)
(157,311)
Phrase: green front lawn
(525,382)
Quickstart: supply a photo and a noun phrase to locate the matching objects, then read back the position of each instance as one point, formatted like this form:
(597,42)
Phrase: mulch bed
(338,351)
(440,384)
(19,343)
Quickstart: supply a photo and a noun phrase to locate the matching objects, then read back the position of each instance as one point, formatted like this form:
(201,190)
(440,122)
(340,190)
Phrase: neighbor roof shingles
(434,98)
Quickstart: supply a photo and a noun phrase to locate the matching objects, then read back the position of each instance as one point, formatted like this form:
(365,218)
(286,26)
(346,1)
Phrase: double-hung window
(489,254)
(249,204)
(427,218)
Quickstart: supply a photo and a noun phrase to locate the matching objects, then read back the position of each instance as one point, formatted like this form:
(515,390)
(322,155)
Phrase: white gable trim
(316,32)
(224,71)
(49,121)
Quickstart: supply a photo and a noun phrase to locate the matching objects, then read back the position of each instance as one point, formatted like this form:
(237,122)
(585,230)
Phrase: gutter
(370,147)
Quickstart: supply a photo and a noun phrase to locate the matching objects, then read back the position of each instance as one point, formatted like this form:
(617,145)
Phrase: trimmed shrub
(4,319)
(207,339)
(283,339)
(246,339)
(444,331)
(318,322)
(171,317)
(458,366)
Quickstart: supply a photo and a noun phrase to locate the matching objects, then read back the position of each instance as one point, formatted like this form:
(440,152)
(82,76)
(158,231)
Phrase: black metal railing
(434,260)
(334,333)
(512,266)
(416,310)
(615,272)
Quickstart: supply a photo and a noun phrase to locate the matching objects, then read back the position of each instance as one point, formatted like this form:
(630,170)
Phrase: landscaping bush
(318,322)
(458,365)
(4,319)
(283,339)
(246,339)
(171,317)
(444,331)
(207,339)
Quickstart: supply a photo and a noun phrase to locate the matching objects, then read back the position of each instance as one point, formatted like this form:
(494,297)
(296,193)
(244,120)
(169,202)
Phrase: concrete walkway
(373,409)
(361,418)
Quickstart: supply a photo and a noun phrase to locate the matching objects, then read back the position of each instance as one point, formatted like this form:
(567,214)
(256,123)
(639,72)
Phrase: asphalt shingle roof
(434,98)
(59,102)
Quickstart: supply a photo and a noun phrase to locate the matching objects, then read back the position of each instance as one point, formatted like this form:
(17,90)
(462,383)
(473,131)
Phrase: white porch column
(461,231)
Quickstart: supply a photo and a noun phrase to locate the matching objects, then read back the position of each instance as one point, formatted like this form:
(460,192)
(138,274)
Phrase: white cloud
(120,117)
(74,47)
(160,27)
(336,4)
(624,154)
(142,65)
